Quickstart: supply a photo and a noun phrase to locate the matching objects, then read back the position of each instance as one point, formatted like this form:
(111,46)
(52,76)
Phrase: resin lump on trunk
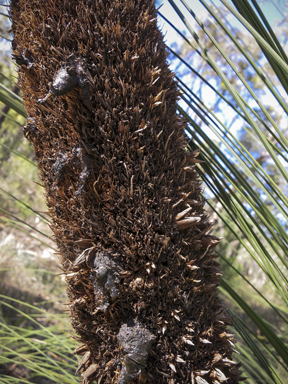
(67,78)
(136,342)
(104,276)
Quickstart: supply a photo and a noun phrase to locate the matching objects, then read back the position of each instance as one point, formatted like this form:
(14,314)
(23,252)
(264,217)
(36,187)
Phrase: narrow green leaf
(279,346)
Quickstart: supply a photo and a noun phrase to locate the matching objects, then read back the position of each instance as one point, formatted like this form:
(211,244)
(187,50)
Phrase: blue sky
(268,7)
(273,15)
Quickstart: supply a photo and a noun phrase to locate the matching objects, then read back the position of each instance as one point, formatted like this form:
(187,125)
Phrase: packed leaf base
(123,195)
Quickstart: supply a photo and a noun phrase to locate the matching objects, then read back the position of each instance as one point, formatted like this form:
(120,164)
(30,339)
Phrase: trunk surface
(123,194)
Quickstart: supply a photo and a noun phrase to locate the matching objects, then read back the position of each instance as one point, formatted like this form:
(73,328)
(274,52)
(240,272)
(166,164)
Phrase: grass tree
(123,194)
(125,200)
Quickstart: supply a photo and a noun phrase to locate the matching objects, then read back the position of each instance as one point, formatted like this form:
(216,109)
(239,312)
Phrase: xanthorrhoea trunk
(123,195)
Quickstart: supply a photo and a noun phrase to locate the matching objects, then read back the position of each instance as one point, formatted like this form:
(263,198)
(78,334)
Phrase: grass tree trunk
(123,195)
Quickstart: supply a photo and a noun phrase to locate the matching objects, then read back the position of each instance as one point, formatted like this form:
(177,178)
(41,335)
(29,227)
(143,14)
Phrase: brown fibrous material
(110,147)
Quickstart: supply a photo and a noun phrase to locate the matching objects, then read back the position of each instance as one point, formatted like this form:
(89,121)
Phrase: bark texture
(123,194)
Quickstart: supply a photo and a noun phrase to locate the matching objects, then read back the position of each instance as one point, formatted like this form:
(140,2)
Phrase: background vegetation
(233,76)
